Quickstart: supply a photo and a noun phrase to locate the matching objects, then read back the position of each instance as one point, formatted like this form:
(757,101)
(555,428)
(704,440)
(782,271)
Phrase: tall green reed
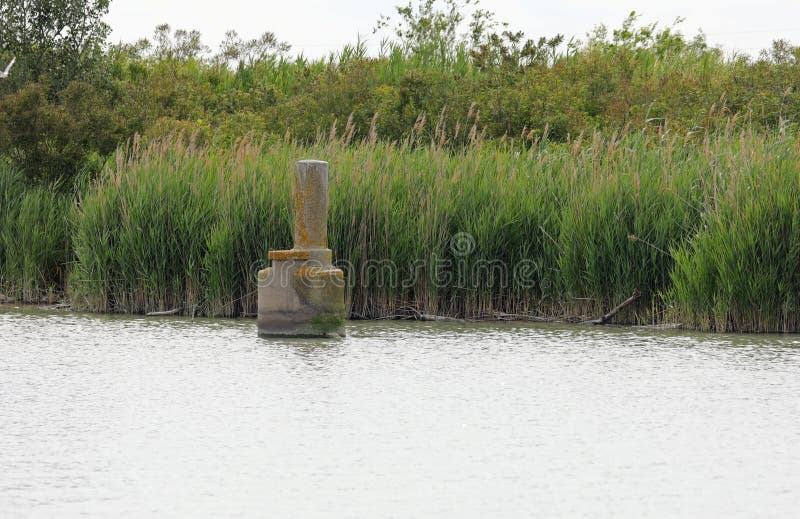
(34,237)
(740,271)
(704,229)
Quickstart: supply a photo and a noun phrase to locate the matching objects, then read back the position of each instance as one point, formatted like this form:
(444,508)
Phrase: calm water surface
(130,417)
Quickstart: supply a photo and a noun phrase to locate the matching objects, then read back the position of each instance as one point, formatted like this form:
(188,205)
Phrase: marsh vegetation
(573,173)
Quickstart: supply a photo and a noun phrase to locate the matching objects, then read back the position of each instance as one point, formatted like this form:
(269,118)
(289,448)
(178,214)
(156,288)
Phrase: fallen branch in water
(417,317)
(409,313)
(60,306)
(412,314)
(167,312)
(606,318)
(502,316)
(664,326)
(438,318)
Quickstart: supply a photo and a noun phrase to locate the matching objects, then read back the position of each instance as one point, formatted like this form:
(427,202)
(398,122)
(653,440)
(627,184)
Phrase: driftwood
(502,316)
(174,311)
(60,306)
(416,317)
(606,318)
(664,326)
(410,314)
(438,318)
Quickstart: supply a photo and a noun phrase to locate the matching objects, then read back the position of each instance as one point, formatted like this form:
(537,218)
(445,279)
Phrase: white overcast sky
(316,27)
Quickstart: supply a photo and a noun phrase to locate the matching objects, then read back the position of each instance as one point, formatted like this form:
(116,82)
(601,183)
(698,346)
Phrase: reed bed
(740,271)
(708,230)
(176,226)
(34,238)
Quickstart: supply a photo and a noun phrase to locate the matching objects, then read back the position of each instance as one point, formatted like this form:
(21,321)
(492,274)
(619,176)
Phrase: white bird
(8,68)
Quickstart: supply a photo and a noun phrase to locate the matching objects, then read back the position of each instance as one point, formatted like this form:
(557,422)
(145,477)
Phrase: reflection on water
(126,416)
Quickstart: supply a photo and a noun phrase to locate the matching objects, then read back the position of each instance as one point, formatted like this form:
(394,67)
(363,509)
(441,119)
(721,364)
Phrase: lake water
(130,417)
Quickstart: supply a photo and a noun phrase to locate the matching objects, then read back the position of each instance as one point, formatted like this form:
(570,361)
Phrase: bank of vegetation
(482,176)
(708,231)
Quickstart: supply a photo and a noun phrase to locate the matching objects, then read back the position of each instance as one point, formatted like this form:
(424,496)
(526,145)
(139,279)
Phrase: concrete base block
(300,297)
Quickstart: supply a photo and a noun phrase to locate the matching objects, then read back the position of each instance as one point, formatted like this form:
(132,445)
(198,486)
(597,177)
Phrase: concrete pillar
(310,195)
(302,294)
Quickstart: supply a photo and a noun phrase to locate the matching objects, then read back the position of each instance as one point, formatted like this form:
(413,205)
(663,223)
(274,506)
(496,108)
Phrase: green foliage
(707,230)
(638,159)
(178,226)
(34,237)
(450,72)
(433,25)
(57,142)
(557,230)
(266,47)
(739,272)
(55,42)
(618,229)
(11,190)
(637,78)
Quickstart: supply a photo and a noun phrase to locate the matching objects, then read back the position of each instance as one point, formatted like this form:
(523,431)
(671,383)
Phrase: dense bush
(57,143)
(423,84)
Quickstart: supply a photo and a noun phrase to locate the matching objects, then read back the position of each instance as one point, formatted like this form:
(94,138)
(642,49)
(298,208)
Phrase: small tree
(182,45)
(435,25)
(55,41)
(264,48)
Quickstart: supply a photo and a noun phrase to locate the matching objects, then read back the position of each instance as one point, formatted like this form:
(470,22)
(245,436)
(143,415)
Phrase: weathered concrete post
(302,294)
